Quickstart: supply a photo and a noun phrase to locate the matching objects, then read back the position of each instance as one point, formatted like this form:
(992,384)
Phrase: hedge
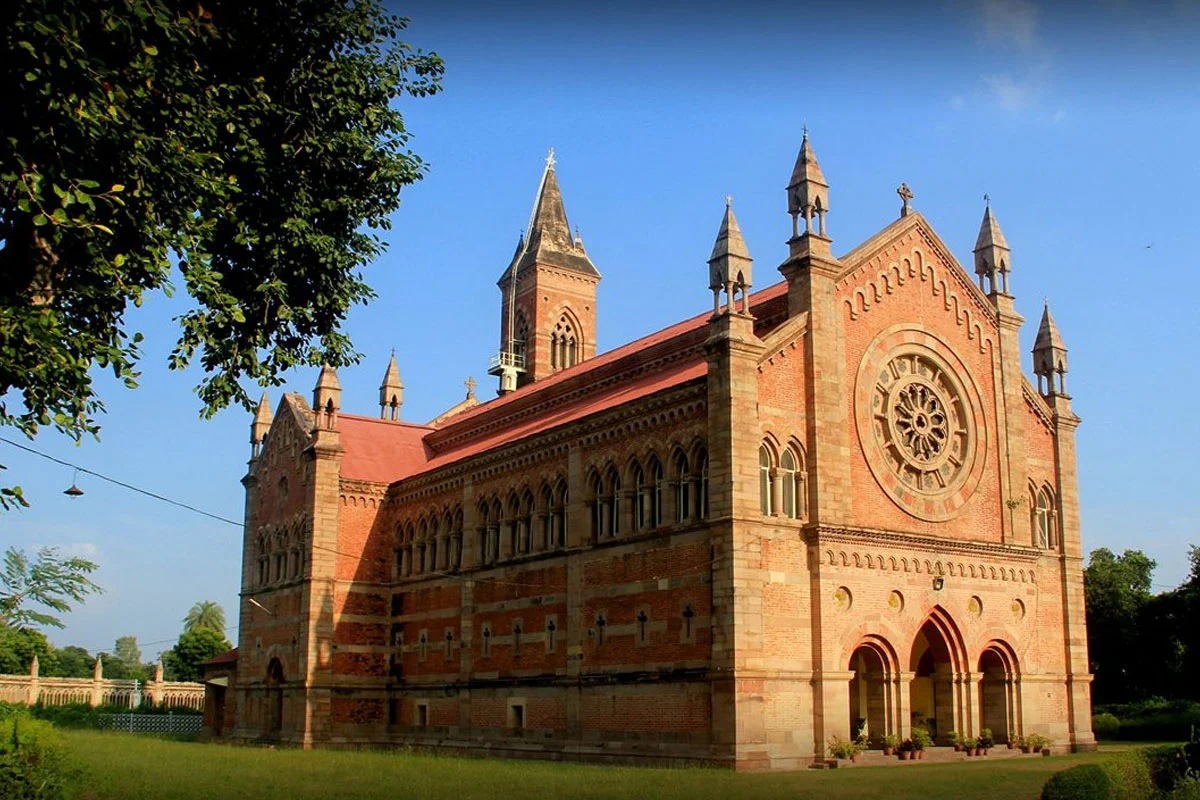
(33,760)
(1147,773)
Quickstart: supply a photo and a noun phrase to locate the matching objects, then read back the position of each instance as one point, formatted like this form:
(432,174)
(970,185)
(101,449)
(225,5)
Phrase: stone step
(934,755)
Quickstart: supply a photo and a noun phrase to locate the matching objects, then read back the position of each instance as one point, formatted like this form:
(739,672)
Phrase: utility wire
(122,484)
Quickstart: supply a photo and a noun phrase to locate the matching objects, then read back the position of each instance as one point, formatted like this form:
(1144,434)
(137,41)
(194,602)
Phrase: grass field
(123,767)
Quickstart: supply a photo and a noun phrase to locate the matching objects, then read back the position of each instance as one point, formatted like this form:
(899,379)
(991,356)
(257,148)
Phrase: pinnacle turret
(260,425)
(1050,356)
(391,392)
(992,254)
(327,397)
(729,266)
(808,193)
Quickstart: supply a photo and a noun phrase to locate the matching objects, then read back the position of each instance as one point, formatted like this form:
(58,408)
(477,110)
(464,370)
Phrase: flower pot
(906,755)
(984,751)
(921,754)
(1025,749)
(972,751)
(887,751)
(1045,751)
(854,758)
(958,748)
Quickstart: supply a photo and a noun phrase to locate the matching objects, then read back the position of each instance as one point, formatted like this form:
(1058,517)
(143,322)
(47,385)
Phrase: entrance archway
(872,690)
(997,691)
(937,664)
(273,717)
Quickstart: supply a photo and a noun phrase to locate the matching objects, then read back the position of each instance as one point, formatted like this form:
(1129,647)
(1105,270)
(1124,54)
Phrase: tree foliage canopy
(182,663)
(49,581)
(205,615)
(253,146)
(1141,644)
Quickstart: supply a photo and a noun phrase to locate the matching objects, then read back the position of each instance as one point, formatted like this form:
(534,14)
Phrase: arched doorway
(997,691)
(273,716)
(872,690)
(937,666)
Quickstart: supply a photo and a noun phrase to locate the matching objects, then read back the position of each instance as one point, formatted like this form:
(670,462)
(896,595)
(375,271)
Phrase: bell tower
(548,296)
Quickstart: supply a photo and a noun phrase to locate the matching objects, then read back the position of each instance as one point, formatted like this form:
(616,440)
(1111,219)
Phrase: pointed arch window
(702,485)
(564,345)
(794,478)
(640,499)
(683,488)
(766,481)
(1044,534)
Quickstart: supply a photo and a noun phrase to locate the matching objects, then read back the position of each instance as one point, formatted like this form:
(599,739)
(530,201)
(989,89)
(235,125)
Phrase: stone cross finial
(987,200)
(729,201)
(550,158)
(905,195)
(470,383)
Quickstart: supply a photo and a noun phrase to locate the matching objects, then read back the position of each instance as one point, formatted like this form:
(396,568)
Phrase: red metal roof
(381,451)
(385,452)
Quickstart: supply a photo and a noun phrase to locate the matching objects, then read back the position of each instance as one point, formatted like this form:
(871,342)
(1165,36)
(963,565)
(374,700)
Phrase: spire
(730,263)
(260,425)
(548,239)
(808,193)
(327,397)
(991,253)
(391,392)
(1050,356)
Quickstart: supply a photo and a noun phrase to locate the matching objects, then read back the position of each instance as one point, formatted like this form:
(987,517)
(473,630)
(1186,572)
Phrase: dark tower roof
(548,240)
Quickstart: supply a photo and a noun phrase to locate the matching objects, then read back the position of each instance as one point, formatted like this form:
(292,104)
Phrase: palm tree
(207,614)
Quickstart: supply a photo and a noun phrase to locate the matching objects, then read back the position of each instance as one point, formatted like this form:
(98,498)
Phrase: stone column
(1010,421)
(35,682)
(307,706)
(97,696)
(738,726)
(1079,679)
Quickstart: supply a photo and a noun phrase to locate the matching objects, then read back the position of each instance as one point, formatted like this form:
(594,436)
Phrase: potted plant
(1036,743)
(891,743)
(921,740)
(986,740)
(1023,743)
(906,750)
(958,740)
(843,749)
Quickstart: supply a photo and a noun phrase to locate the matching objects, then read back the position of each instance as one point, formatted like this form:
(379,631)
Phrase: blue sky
(1080,120)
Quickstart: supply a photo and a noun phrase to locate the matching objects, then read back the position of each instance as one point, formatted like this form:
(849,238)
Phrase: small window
(687,633)
(551,632)
(422,716)
(643,620)
(516,716)
(766,483)
(485,647)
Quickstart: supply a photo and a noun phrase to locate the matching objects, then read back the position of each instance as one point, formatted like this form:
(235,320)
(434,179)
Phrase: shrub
(921,739)
(986,740)
(1106,726)
(33,762)
(1135,776)
(1154,719)
(841,748)
(891,741)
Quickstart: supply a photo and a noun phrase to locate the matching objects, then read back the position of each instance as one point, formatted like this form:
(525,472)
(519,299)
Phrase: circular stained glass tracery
(918,423)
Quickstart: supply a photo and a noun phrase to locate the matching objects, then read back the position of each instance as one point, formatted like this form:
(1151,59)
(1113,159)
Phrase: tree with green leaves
(50,581)
(251,152)
(18,646)
(126,649)
(205,615)
(1116,590)
(71,662)
(182,662)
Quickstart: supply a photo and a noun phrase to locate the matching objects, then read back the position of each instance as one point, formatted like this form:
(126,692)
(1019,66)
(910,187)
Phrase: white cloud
(1008,93)
(1011,21)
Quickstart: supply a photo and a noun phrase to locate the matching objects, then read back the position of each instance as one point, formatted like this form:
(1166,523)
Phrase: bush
(840,748)
(33,762)
(1149,772)
(1154,719)
(921,739)
(1106,726)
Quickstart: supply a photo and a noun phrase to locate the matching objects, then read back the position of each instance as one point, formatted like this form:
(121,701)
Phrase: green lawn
(123,767)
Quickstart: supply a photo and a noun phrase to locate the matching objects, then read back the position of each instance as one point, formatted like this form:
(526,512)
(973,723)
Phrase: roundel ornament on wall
(920,422)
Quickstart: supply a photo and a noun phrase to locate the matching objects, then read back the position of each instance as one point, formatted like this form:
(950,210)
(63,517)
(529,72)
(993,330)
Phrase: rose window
(919,423)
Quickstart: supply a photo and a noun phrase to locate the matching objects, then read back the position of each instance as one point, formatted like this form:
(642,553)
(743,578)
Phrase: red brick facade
(846,507)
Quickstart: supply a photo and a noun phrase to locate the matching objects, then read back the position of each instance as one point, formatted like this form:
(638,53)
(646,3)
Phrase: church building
(833,504)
